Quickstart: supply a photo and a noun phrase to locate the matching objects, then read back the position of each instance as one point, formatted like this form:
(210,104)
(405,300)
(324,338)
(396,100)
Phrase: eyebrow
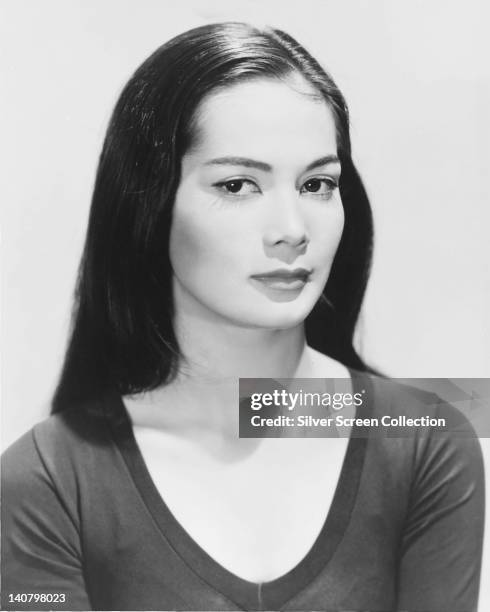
(252,163)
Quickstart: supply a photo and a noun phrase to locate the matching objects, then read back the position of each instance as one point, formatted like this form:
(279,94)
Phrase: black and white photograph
(245,338)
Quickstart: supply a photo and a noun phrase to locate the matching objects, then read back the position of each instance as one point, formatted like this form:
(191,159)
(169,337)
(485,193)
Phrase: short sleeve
(41,553)
(443,537)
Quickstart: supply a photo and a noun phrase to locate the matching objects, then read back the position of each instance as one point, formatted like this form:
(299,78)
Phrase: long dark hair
(122,336)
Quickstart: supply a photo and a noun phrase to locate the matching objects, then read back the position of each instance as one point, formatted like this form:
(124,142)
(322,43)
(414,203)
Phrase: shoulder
(62,431)
(54,451)
(440,441)
(61,471)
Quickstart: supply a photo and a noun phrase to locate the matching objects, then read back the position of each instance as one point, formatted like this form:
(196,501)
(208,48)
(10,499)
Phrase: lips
(282,282)
(284,275)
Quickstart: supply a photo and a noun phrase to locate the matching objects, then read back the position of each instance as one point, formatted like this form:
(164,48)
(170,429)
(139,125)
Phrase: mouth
(283,279)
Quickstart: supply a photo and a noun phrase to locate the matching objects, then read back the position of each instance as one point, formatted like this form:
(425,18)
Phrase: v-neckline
(243,593)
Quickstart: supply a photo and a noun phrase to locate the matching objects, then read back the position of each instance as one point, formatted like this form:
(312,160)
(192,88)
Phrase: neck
(205,390)
(201,403)
(216,356)
(223,353)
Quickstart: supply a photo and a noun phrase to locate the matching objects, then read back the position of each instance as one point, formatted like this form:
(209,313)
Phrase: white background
(417,79)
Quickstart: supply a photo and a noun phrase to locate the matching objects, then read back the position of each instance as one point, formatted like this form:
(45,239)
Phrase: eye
(320,186)
(237,187)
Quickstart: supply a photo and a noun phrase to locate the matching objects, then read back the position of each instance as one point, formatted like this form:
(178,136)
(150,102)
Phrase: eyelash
(331,184)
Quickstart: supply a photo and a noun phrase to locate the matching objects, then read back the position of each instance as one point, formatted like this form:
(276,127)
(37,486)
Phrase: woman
(229,237)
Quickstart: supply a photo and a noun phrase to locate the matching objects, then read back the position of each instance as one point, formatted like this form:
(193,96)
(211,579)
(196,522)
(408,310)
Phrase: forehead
(266,119)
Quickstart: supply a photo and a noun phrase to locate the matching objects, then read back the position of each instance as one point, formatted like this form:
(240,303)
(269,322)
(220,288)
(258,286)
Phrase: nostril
(301,243)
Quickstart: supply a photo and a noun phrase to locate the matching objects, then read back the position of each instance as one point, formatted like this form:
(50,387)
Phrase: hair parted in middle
(122,335)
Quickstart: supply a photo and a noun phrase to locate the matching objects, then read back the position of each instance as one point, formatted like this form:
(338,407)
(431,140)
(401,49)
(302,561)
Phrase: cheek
(184,245)
(328,230)
(199,247)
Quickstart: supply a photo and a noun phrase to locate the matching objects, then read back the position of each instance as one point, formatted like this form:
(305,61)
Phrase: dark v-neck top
(84,524)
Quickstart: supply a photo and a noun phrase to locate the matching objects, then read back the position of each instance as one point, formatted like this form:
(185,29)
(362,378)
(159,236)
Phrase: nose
(286,236)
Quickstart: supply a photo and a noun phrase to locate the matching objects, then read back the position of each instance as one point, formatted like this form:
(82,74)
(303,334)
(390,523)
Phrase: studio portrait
(246,306)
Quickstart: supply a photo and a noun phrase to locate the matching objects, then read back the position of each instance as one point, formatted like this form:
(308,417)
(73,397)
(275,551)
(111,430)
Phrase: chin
(277,316)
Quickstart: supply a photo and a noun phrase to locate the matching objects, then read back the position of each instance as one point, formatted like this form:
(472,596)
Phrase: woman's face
(257,216)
